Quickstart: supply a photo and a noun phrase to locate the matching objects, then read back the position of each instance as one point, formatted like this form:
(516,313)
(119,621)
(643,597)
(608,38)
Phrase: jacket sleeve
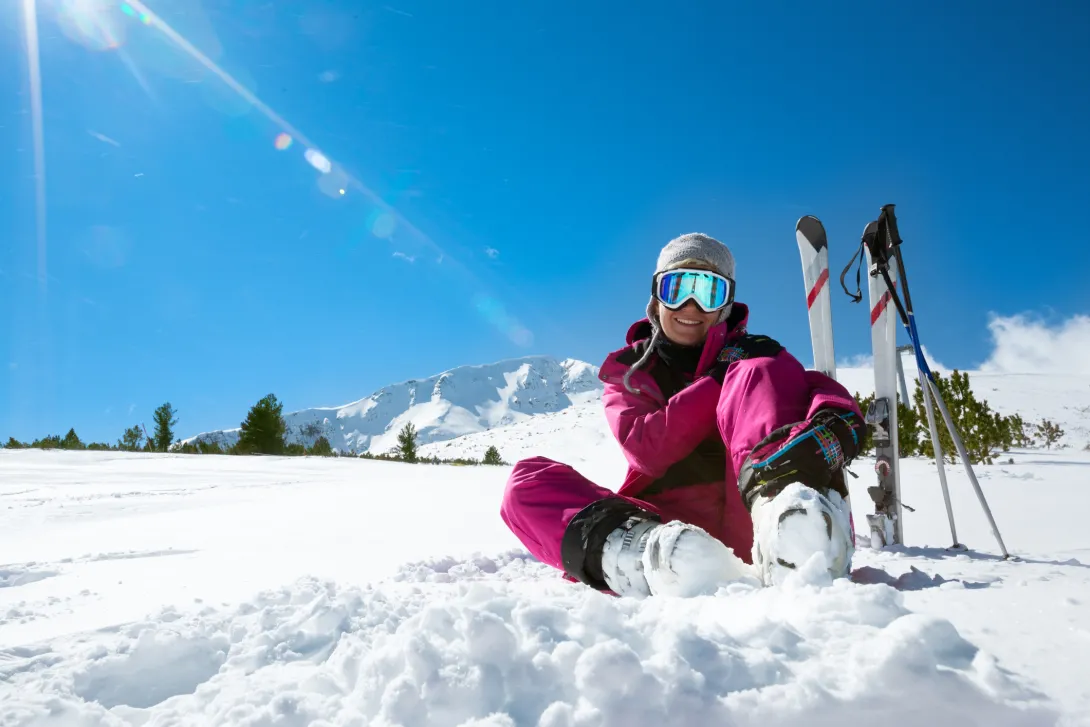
(765,393)
(654,436)
(826,391)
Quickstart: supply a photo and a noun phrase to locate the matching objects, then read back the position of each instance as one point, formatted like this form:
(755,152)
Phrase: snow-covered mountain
(461,401)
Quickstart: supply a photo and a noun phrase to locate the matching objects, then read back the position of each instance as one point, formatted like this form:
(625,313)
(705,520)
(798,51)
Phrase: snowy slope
(187,590)
(142,589)
(577,435)
(456,402)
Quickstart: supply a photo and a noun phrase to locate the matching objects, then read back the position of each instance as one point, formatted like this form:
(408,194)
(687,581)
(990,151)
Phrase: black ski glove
(812,453)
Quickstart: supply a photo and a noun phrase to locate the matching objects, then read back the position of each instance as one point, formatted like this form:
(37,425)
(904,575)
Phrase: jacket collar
(718,335)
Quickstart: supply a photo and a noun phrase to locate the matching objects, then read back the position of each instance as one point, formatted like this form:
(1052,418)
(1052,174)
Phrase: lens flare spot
(382,224)
(91,23)
(145,18)
(333,183)
(283,141)
(494,313)
(127,9)
(318,160)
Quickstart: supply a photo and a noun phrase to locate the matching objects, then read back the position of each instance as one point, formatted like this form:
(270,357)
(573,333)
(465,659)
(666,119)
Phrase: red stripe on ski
(880,306)
(813,294)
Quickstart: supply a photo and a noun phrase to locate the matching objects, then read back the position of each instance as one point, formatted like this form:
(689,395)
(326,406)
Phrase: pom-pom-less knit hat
(694,246)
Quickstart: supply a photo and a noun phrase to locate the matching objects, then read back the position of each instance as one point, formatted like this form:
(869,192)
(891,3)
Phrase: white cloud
(858,361)
(492,252)
(1023,344)
(406,258)
(908,361)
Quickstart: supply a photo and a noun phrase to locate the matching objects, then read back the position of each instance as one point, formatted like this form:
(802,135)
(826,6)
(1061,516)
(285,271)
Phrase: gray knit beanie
(688,247)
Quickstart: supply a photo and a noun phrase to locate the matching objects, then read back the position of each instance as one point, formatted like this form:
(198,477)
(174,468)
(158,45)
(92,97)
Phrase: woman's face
(686,326)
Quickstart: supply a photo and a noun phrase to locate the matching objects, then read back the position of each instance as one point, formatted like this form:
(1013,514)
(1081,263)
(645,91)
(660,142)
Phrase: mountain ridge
(443,406)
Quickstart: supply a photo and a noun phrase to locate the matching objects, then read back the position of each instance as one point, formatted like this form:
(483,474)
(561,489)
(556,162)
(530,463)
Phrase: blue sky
(510,171)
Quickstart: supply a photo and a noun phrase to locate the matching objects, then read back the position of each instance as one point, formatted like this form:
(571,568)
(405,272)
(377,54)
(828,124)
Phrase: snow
(165,589)
(460,401)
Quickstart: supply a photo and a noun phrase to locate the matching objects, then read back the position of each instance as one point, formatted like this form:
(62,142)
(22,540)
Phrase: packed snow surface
(197,590)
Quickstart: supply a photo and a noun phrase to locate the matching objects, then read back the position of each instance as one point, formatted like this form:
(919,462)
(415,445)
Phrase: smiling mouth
(686,322)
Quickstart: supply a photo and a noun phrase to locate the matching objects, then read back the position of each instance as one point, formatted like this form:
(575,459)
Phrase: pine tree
(204,447)
(983,431)
(864,403)
(14,443)
(406,443)
(492,456)
(130,441)
(49,442)
(908,429)
(321,448)
(264,428)
(1019,434)
(164,427)
(71,441)
(1050,432)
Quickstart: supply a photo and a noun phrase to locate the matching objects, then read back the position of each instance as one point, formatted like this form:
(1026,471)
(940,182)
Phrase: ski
(886,521)
(814,249)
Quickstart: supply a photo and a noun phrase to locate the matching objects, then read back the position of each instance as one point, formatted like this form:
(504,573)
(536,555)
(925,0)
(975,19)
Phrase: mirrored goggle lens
(710,291)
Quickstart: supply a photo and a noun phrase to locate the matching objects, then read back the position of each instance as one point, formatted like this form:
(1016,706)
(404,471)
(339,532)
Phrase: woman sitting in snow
(735,452)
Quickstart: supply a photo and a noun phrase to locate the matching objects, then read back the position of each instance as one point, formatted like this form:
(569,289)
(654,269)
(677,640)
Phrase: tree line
(264,431)
(984,432)
(135,438)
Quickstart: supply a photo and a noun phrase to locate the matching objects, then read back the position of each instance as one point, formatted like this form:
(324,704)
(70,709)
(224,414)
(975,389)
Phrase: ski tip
(810,228)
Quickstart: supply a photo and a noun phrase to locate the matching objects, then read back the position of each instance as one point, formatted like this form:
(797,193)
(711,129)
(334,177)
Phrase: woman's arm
(654,436)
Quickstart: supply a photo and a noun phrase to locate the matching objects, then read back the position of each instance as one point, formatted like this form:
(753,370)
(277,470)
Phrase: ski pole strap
(857,296)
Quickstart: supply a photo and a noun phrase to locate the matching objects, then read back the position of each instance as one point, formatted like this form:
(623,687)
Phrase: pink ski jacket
(684,453)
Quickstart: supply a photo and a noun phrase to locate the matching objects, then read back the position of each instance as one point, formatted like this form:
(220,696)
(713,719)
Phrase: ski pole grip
(893,233)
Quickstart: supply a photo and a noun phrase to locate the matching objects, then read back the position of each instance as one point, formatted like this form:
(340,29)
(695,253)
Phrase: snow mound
(461,401)
(485,646)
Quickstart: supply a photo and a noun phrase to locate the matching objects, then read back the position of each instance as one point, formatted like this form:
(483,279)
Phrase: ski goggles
(711,291)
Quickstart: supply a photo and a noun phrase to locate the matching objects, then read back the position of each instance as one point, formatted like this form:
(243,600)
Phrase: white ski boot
(644,557)
(797,522)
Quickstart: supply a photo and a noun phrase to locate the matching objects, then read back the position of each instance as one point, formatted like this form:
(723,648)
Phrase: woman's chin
(686,337)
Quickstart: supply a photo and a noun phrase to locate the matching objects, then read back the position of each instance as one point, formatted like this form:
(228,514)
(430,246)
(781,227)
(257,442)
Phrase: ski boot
(793,487)
(644,557)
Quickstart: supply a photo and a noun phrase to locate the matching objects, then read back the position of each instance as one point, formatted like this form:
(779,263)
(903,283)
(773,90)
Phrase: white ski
(814,249)
(886,522)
